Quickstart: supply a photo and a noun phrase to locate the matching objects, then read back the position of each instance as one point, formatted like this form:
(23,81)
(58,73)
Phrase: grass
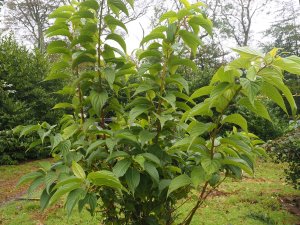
(252,201)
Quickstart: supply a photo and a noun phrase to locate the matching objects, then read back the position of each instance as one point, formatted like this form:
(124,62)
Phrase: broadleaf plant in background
(135,142)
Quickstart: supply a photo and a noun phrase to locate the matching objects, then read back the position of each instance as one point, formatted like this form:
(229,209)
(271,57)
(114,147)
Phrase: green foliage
(158,144)
(24,98)
(286,149)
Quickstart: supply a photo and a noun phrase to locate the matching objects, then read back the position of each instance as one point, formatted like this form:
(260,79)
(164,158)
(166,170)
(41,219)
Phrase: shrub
(158,144)
(24,98)
(287,149)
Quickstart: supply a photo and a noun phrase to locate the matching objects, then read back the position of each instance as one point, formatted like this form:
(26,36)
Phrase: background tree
(31,16)
(24,98)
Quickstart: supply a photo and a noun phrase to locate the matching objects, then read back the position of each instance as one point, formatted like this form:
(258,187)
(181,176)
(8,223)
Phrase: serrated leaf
(112,23)
(168,15)
(271,92)
(83,58)
(150,53)
(203,22)
(146,136)
(175,62)
(198,175)
(91,4)
(236,119)
(152,36)
(63,105)
(49,179)
(210,165)
(105,178)
(250,88)
(44,199)
(29,129)
(132,179)
(152,158)
(179,182)
(238,163)
(191,40)
(257,107)
(118,4)
(62,191)
(70,131)
(110,76)
(202,92)
(95,145)
(136,111)
(78,170)
(247,52)
(73,198)
(121,167)
(152,171)
(98,100)
(117,38)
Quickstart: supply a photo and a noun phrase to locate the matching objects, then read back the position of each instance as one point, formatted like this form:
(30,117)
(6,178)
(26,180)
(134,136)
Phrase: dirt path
(9,177)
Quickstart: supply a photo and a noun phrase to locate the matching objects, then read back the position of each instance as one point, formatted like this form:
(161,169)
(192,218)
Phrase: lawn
(260,200)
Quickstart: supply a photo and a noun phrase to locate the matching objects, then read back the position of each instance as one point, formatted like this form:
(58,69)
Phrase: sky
(135,32)
(260,24)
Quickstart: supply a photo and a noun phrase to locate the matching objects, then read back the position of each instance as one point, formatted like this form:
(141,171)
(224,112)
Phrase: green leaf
(73,198)
(110,76)
(290,64)
(83,58)
(236,119)
(257,107)
(206,23)
(121,167)
(70,131)
(63,105)
(117,38)
(55,140)
(78,170)
(117,154)
(143,87)
(118,4)
(210,165)
(247,52)
(91,200)
(62,191)
(185,3)
(29,129)
(152,158)
(34,185)
(250,88)
(180,81)
(196,128)
(150,53)
(98,100)
(285,90)
(66,181)
(44,199)
(238,163)
(50,178)
(146,136)
(105,178)
(191,40)
(91,4)
(152,171)
(198,175)
(202,92)
(271,92)
(132,179)
(94,145)
(152,36)
(112,23)
(168,15)
(175,62)
(136,111)
(179,182)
